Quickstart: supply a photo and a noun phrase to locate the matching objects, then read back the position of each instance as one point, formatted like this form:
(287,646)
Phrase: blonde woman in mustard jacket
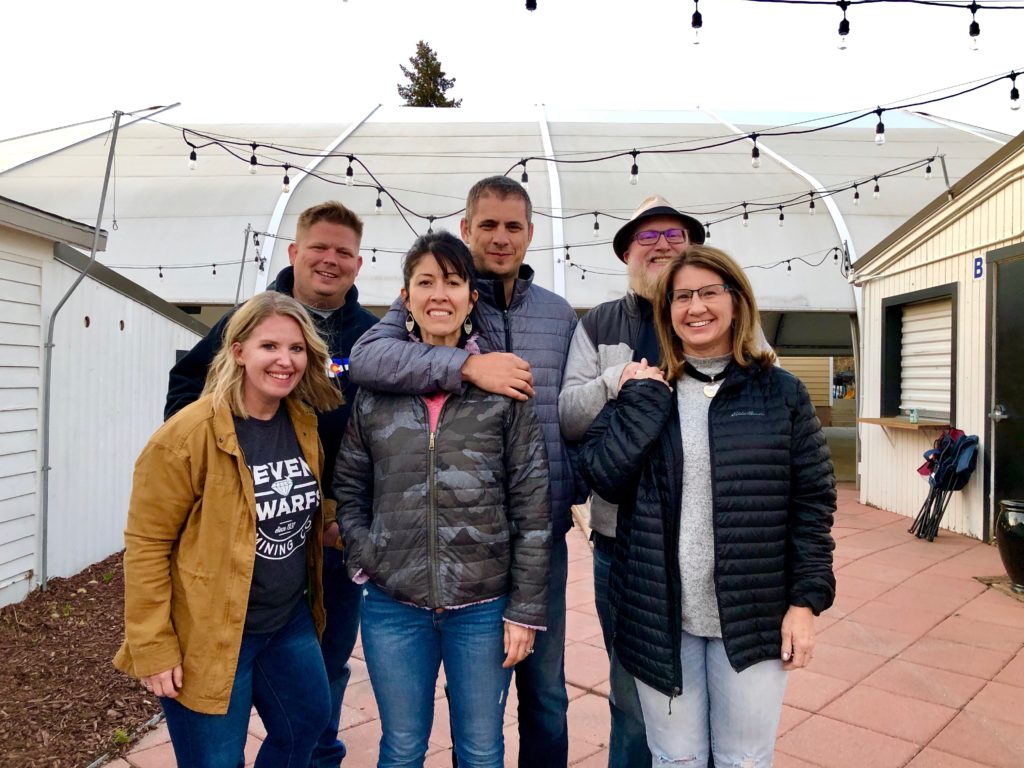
(223,549)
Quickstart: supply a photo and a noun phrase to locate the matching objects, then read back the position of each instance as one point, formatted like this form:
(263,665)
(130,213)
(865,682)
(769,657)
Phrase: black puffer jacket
(450,518)
(773,499)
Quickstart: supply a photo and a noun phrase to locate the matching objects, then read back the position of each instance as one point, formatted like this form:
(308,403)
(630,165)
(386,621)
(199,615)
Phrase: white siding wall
(109,387)
(20,377)
(940,251)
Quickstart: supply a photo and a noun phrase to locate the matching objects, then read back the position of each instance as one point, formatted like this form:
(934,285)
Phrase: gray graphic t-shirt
(287,497)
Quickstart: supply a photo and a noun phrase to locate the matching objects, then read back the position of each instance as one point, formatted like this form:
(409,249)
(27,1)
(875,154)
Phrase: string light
(430,225)
(286,185)
(789,266)
(634,170)
(880,128)
(707,231)
(349,173)
(928,168)
(252,160)
(160,272)
(214,269)
(373,258)
(844,25)
(697,22)
(531,5)
(746,216)
(755,153)
(568,259)
(597,226)
(782,217)
(525,178)
(975,29)
(877,191)
(810,208)
(379,204)
(1014,93)
(256,239)
(856,195)
(192,159)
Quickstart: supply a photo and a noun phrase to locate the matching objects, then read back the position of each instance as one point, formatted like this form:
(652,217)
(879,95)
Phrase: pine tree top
(427,82)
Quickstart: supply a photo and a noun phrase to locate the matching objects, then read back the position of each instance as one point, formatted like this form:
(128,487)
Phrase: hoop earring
(468,325)
(409,322)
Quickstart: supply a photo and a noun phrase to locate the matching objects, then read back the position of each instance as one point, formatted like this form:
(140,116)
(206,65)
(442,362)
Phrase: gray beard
(642,285)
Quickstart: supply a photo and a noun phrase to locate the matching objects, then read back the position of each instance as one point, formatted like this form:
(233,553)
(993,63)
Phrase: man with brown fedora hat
(610,343)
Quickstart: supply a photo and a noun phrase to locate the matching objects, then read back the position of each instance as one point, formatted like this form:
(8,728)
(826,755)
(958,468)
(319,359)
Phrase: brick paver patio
(917,664)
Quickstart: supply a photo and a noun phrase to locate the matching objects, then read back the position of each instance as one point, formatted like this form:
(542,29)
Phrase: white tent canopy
(168,216)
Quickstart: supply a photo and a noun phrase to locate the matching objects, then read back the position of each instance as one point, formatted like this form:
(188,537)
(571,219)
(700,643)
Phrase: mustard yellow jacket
(190,546)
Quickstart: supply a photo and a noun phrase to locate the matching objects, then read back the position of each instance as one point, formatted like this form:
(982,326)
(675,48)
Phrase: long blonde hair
(746,346)
(225,376)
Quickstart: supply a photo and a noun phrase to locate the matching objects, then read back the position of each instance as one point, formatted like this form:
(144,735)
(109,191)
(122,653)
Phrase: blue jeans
(731,715)
(282,674)
(405,646)
(341,601)
(628,743)
(540,680)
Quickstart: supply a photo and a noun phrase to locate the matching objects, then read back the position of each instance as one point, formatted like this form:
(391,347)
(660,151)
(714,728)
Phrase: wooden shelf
(903,422)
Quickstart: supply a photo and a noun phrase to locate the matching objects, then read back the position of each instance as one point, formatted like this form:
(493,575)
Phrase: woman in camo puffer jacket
(443,504)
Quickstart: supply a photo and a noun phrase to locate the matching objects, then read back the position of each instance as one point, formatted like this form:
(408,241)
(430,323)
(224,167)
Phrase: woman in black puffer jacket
(723,551)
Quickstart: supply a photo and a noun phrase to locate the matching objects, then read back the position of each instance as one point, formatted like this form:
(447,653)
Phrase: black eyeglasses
(650,236)
(707,293)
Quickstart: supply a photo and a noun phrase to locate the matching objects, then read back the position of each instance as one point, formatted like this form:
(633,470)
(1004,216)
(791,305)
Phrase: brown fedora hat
(655,205)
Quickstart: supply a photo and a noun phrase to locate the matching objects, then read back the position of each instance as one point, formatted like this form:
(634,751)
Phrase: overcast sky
(329,60)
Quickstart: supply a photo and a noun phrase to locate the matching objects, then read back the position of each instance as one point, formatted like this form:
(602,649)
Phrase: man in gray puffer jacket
(533,327)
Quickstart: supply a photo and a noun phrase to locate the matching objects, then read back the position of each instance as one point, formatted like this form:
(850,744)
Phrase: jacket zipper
(675,599)
(433,559)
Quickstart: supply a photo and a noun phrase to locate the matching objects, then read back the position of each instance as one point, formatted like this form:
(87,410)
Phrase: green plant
(108,577)
(121,736)
(67,610)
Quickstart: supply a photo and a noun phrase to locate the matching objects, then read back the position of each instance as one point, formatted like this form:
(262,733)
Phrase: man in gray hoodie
(611,342)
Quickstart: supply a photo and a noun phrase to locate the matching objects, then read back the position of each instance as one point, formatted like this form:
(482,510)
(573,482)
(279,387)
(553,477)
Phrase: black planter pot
(1010,538)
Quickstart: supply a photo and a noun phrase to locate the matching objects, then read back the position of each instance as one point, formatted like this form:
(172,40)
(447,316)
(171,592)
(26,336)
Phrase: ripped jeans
(404,647)
(734,715)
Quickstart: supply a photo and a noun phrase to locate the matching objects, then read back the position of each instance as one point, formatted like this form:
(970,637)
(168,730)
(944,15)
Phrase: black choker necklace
(711,383)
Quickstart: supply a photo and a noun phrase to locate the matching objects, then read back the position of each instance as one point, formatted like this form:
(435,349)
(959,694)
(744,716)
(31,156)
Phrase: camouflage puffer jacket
(453,517)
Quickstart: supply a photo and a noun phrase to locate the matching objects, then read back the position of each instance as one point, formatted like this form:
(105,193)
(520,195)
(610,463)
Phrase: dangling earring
(409,322)
(468,325)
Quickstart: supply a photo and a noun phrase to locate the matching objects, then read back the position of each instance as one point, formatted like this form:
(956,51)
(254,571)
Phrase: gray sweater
(696,533)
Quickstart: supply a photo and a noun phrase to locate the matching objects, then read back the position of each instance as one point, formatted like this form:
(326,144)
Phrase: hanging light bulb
(192,159)
(746,216)
(597,226)
(525,178)
(975,29)
(1014,93)
(844,25)
(256,239)
(583,274)
(880,128)
(755,153)
(810,208)
(373,258)
(697,22)
(782,217)
(634,170)
(856,195)
(928,168)
(349,173)
(160,272)
(531,5)
(835,255)
(379,204)
(568,259)
(252,160)
(789,266)
(707,231)
(286,185)
(214,269)
(877,191)
(263,263)
(430,225)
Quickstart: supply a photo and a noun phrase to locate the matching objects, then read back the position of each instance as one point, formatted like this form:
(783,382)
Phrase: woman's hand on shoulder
(165,684)
(642,370)
(518,643)
(797,637)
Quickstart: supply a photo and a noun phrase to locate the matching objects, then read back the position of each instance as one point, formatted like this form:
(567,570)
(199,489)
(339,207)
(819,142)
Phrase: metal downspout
(263,278)
(557,228)
(48,361)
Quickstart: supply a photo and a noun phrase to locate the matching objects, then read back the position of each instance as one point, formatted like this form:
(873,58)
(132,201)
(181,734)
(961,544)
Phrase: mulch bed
(63,704)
